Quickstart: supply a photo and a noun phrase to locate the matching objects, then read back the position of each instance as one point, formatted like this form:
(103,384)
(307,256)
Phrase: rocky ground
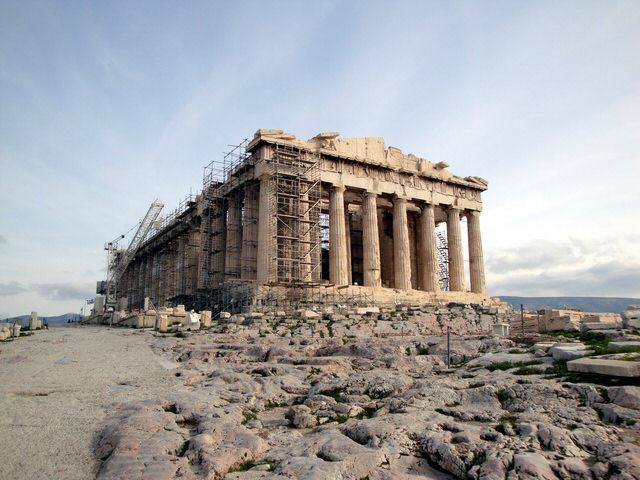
(259,405)
(57,385)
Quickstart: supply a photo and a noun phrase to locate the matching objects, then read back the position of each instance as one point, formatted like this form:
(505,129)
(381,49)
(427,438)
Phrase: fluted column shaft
(266,231)
(338,268)
(476,260)
(218,244)
(305,247)
(454,245)
(401,250)
(428,276)
(370,241)
(347,236)
(234,237)
(249,234)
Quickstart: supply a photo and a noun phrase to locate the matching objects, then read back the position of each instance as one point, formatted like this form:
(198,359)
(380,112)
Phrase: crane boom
(129,253)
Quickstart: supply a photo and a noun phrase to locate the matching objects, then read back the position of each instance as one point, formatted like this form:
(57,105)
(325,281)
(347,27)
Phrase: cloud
(62,291)
(602,267)
(612,279)
(538,254)
(11,288)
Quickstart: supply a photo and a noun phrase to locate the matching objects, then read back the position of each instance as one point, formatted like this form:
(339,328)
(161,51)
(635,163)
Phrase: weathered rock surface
(259,405)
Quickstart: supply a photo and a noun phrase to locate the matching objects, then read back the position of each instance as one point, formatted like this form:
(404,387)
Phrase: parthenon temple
(279,215)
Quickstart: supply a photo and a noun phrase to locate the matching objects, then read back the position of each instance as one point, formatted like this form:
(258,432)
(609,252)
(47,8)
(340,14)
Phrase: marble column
(234,237)
(148,268)
(370,241)
(338,268)
(454,248)
(476,261)
(266,232)
(180,265)
(249,234)
(401,250)
(347,231)
(428,275)
(305,237)
(218,242)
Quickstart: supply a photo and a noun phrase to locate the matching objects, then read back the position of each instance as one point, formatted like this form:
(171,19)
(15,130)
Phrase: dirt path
(55,389)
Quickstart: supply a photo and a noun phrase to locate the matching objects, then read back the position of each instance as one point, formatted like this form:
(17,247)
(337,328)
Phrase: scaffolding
(443,259)
(296,210)
(225,210)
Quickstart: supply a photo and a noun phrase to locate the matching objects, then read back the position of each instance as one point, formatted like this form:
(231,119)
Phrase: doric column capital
(338,188)
(399,199)
(454,208)
(427,206)
(370,194)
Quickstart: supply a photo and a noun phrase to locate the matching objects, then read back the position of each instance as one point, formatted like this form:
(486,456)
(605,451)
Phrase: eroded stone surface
(258,405)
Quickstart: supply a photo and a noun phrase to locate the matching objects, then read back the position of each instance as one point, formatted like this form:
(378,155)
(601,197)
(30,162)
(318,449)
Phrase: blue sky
(105,106)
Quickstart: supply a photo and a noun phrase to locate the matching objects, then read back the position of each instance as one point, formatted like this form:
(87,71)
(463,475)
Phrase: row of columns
(428,277)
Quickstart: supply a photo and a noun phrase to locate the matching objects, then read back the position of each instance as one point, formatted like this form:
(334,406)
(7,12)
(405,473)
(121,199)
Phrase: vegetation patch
(270,404)
(508,418)
(527,371)
(341,418)
(367,412)
(248,465)
(249,415)
(507,365)
(503,397)
(480,458)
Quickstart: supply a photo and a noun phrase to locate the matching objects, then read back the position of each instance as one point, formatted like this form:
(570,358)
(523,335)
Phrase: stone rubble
(348,395)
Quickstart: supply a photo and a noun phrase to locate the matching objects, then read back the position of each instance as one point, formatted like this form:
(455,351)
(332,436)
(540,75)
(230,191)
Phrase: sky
(105,106)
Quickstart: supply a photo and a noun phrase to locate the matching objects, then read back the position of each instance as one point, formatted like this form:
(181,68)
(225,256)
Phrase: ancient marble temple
(329,212)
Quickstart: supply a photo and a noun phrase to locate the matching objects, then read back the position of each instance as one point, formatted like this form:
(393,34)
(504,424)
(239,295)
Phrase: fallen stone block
(225,315)
(631,317)
(624,344)
(162,323)
(564,323)
(605,366)
(626,396)
(490,358)
(365,310)
(566,354)
(205,318)
(589,326)
(191,322)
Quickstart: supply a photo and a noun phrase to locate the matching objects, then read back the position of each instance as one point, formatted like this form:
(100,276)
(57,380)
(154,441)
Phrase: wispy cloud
(62,291)
(11,288)
(49,291)
(606,266)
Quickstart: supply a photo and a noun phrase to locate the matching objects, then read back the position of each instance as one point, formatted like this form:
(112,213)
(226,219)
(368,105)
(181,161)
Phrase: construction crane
(120,259)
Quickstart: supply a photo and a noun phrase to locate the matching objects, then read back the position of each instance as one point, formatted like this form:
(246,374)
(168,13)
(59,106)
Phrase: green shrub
(507,365)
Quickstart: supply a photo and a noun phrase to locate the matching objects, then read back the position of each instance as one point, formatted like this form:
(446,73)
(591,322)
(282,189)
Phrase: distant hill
(24,319)
(587,304)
